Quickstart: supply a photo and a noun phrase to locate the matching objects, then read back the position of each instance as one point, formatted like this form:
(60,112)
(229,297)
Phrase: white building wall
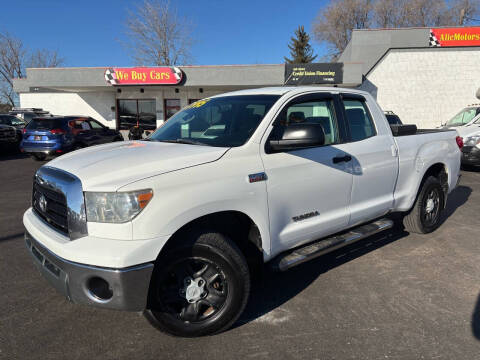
(425,87)
(98,105)
(101,105)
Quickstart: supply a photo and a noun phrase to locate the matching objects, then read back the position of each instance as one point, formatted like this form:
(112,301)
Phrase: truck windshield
(226,121)
(463,117)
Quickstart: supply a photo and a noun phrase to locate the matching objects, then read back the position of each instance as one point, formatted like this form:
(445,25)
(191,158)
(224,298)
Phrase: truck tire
(200,288)
(425,215)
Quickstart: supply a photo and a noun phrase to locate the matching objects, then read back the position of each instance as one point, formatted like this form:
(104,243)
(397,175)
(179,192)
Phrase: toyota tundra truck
(177,226)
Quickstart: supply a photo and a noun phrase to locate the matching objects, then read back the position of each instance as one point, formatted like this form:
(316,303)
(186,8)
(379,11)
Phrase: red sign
(144,76)
(464,36)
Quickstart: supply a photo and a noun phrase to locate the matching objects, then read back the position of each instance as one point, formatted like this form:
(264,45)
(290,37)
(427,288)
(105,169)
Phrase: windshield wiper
(184,141)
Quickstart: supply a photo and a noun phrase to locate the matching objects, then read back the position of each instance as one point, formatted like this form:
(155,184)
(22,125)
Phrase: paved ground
(399,296)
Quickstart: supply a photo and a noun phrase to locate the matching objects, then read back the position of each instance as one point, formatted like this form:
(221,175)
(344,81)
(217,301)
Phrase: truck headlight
(472,140)
(116,207)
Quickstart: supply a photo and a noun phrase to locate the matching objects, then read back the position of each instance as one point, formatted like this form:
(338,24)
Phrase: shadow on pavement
(470,168)
(456,198)
(11,237)
(476,320)
(277,288)
(12,155)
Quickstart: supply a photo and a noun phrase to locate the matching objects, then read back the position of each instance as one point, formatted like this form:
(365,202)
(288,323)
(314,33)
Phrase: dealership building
(424,75)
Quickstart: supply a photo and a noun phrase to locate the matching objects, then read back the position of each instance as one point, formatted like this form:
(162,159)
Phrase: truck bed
(405,130)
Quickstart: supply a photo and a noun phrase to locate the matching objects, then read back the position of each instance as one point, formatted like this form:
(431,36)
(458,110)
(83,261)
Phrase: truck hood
(111,166)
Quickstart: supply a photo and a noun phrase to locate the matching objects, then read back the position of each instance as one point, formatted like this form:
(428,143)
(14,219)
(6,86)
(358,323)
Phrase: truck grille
(51,206)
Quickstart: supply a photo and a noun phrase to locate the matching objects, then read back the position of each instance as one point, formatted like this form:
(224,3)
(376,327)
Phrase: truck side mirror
(299,136)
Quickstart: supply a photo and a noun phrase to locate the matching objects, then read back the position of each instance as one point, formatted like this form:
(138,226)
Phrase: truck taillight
(24,130)
(459,141)
(57,131)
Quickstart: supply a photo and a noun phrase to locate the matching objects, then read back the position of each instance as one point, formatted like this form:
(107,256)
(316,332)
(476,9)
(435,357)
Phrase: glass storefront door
(171,107)
(129,111)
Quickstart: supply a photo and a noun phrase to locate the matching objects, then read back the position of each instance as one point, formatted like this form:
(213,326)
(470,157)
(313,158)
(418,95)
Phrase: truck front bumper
(122,289)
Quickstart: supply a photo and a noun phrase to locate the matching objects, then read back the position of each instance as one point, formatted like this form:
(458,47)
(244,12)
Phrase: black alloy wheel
(193,289)
(425,215)
(431,207)
(200,288)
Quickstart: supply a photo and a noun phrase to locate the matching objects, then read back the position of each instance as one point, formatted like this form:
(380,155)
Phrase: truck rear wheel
(200,288)
(425,215)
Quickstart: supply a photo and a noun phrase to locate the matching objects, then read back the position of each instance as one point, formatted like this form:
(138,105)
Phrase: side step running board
(310,251)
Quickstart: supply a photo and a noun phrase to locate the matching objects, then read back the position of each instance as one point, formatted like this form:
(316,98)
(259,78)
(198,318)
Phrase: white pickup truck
(174,226)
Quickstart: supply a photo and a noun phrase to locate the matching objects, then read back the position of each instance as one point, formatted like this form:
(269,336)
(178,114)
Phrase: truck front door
(308,189)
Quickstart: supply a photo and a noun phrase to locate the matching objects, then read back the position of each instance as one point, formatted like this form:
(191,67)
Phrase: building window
(171,107)
(133,111)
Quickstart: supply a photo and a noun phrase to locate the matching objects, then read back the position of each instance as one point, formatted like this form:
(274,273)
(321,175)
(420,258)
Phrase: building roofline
(148,66)
(417,28)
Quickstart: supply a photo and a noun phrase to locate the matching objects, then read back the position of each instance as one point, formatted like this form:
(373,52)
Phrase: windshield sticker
(198,103)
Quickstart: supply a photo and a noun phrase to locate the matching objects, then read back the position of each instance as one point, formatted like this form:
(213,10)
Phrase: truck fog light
(99,288)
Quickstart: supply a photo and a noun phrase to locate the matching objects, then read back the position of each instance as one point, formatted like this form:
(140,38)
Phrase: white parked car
(470,134)
(464,117)
(175,226)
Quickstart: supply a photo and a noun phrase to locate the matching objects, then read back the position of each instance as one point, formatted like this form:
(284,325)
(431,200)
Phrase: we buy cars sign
(464,36)
(144,76)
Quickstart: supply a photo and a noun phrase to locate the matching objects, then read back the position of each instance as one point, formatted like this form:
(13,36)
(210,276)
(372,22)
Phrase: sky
(89,33)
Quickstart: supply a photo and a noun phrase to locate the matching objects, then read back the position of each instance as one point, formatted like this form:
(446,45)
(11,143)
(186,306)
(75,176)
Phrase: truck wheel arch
(440,171)
(235,224)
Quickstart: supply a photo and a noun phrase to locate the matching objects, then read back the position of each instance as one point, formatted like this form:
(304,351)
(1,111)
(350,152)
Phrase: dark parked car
(17,123)
(392,118)
(59,134)
(8,136)
(27,114)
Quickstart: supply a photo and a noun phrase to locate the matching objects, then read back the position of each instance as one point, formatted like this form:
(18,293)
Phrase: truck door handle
(340,159)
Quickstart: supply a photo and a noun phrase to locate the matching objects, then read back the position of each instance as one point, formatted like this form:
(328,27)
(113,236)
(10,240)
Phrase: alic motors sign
(464,36)
(144,76)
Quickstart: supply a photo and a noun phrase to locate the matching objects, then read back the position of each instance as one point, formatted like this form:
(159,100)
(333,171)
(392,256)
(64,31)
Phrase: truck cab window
(314,112)
(358,119)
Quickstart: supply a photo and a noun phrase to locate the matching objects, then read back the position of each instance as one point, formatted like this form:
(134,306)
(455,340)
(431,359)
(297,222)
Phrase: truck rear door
(374,159)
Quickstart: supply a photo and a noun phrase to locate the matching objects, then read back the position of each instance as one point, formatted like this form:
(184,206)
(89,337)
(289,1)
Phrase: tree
(15,58)
(157,36)
(390,13)
(44,58)
(464,10)
(300,49)
(334,23)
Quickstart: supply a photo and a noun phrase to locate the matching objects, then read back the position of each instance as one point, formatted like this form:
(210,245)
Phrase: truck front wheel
(425,215)
(199,288)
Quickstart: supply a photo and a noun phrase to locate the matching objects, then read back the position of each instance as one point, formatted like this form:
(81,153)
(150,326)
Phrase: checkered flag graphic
(110,76)
(177,72)
(433,40)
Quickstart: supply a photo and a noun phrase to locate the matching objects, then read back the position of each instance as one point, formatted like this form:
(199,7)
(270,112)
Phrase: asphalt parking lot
(393,296)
